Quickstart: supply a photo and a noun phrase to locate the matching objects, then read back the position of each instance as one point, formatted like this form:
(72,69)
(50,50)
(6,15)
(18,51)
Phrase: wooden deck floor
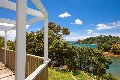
(5,73)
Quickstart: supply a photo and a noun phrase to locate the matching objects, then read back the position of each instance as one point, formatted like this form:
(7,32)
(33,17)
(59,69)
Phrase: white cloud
(10,34)
(78,21)
(74,36)
(90,31)
(2,33)
(115,24)
(115,35)
(108,26)
(64,15)
(96,34)
(27,26)
(103,26)
(38,29)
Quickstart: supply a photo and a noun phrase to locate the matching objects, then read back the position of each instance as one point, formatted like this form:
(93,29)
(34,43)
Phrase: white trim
(31,21)
(8,21)
(45,39)
(37,71)
(39,5)
(5,28)
(5,45)
(20,23)
(12,6)
(13,22)
(20,57)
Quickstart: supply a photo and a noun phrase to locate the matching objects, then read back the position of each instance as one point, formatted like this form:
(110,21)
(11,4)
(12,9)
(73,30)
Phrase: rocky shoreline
(111,55)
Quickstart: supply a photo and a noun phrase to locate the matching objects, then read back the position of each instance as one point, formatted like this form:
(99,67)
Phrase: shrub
(115,49)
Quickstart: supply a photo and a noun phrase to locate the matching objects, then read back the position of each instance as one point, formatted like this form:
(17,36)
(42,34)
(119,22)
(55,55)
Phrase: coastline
(111,55)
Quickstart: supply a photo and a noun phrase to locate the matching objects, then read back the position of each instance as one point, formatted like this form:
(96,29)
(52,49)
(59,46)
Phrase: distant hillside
(101,39)
(104,43)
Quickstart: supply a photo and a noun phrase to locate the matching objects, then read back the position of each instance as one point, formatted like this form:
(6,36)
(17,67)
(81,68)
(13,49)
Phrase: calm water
(115,67)
(85,45)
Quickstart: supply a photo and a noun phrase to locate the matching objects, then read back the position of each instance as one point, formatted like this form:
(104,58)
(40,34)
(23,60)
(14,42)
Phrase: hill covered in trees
(62,53)
(104,43)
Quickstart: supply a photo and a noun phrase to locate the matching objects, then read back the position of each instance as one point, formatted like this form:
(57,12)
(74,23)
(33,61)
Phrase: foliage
(1,42)
(62,53)
(115,49)
(89,60)
(108,77)
(35,39)
(11,45)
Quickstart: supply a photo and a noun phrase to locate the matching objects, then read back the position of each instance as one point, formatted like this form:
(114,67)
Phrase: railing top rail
(38,70)
(35,56)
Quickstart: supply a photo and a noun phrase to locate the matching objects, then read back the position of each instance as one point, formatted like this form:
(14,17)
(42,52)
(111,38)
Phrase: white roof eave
(12,6)
(39,5)
(5,28)
(29,22)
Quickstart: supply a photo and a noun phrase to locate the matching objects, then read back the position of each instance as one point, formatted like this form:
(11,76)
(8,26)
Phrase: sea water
(85,45)
(114,68)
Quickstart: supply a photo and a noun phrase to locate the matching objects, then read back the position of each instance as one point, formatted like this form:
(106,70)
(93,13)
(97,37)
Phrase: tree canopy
(63,53)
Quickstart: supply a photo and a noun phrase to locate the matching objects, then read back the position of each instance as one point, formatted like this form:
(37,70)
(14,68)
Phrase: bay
(85,45)
(114,68)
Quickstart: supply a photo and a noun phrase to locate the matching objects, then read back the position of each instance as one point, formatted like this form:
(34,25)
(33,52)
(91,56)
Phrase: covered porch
(22,66)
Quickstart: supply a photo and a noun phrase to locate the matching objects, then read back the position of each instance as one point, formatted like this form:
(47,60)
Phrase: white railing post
(5,45)
(20,57)
(45,39)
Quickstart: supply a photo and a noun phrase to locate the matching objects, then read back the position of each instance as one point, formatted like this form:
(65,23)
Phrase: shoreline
(111,55)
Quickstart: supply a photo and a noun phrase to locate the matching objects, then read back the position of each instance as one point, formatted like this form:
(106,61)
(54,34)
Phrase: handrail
(38,70)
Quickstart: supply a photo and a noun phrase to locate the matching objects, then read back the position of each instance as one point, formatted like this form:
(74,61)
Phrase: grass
(58,75)
(80,75)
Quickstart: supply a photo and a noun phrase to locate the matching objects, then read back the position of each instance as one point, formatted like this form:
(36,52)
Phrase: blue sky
(84,18)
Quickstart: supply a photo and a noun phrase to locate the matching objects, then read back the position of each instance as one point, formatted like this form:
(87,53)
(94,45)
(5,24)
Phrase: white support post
(20,57)
(5,45)
(45,39)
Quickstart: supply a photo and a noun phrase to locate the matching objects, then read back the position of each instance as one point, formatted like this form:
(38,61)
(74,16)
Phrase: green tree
(1,42)
(115,49)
